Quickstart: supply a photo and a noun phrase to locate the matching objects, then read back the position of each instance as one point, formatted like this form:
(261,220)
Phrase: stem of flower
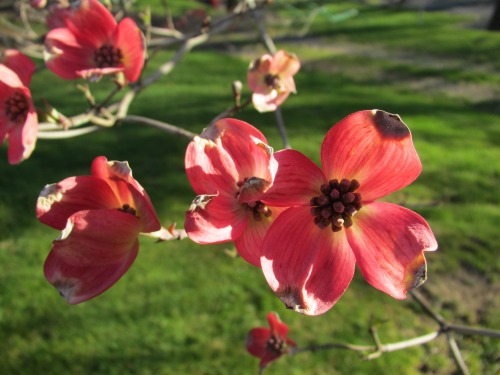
(159,125)
(281,127)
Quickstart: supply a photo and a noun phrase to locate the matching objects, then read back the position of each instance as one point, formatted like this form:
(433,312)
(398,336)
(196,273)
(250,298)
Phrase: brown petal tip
(390,125)
(293,300)
(416,273)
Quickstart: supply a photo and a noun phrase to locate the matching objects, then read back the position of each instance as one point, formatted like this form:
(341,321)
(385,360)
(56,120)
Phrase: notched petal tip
(416,273)
(67,289)
(201,202)
(120,168)
(49,195)
(293,300)
(390,125)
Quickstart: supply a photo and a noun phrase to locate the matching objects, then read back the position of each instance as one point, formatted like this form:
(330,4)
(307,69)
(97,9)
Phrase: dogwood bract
(334,220)
(230,166)
(18,118)
(92,44)
(269,344)
(101,217)
(271,80)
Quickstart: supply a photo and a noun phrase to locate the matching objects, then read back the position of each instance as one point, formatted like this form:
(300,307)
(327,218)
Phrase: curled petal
(118,176)
(218,219)
(388,242)
(373,147)
(129,39)
(94,251)
(297,180)
(308,268)
(226,153)
(57,202)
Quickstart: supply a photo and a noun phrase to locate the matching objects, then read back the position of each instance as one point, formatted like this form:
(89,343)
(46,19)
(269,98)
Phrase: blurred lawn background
(185,308)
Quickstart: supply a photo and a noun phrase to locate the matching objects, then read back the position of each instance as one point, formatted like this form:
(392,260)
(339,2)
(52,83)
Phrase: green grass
(185,308)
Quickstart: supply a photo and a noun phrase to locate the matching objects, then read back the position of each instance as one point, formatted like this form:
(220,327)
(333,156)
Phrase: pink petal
(65,56)
(285,64)
(388,242)
(95,74)
(265,102)
(57,202)
(297,180)
(226,153)
(118,176)
(257,340)
(129,39)
(91,23)
(21,64)
(95,250)
(8,79)
(210,170)
(22,138)
(249,244)
(308,268)
(245,144)
(277,326)
(256,75)
(215,219)
(270,101)
(373,147)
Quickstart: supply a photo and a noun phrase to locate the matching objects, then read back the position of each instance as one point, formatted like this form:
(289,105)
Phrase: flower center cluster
(272,80)
(337,205)
(16,107)
(108,56)
(258,208)
(276,345)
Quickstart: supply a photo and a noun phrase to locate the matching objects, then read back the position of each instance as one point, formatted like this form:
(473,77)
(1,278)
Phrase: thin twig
(281,127)
(70,133)
(457,354)
(159,125)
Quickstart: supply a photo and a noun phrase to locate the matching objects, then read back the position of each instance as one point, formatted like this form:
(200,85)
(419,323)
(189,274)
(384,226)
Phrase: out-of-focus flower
(230,166)
(101,217)
(92,44)
(57,12)
(18,119)
(38,4)
(270,78)
(269,344)
(310,251)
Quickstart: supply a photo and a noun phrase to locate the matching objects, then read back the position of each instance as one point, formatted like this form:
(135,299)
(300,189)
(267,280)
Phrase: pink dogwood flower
(270,78)
(335,220)
(92,44)
(230,166)
(18,118)
(101,217)
(269,344)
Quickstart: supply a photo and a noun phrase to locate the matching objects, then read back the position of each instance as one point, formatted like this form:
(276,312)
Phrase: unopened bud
(237,86)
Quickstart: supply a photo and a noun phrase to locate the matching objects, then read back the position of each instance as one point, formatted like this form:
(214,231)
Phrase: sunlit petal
(388,242)
(297,180)
(307,267)
(373,147)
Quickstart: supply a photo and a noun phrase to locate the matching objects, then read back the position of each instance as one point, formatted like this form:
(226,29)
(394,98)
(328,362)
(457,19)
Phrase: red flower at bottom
(269,343)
